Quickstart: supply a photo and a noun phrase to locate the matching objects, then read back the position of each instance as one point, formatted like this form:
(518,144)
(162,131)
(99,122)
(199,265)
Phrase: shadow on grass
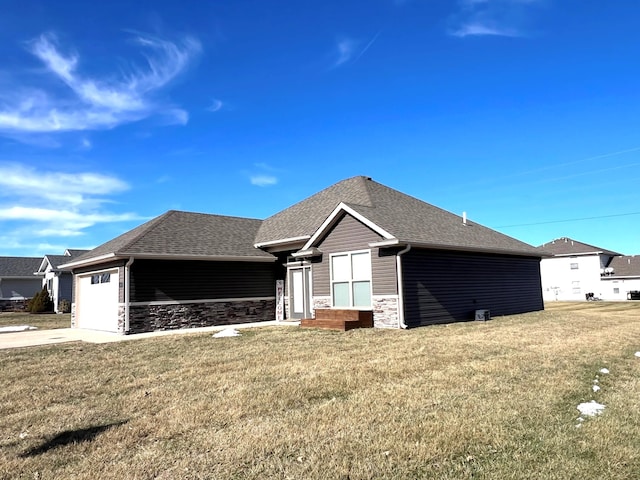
(70,437)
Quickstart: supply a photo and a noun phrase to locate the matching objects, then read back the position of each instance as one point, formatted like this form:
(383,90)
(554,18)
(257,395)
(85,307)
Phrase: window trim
(351,280)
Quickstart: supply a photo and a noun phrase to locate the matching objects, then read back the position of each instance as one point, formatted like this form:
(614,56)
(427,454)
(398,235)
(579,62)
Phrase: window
(351,279)
(574,266)
(616,290)
(100,278)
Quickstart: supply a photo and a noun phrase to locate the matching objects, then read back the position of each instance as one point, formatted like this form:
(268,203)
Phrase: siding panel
(442,287)
(157,280)
(348,235)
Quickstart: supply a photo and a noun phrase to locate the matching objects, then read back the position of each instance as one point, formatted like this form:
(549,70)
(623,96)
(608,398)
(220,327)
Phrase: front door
(300,292)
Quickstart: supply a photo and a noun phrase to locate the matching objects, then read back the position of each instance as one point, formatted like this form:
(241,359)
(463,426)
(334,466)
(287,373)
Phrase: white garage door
(97,301)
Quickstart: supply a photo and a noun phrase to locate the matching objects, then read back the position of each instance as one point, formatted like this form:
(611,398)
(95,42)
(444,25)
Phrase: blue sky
(523,113)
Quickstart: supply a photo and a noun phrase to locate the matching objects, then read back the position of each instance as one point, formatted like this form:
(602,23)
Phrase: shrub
(64,306)
(41,302)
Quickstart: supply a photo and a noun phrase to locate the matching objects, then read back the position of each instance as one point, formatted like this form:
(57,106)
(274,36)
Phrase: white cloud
(50,204)
(479,29)
(69,188)
(507,18)
(345,50)
(263,180)
(95,103)
(215,106)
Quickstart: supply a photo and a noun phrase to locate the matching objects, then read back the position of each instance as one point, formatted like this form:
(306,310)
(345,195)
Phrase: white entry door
(300,292)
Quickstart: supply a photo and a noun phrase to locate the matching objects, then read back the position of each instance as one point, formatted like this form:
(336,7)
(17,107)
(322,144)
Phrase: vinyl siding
(442,287)
(65,283)
(158,280)
(17,287)
(349,235)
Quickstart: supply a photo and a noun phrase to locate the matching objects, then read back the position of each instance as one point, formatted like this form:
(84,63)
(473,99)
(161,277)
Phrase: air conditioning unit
(483,315)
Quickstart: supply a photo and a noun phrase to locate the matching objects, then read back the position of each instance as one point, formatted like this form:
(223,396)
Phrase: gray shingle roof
(625,266)
(568,246)
(56,260)
(19,266)
(76,252)
(407,218)
(185,234)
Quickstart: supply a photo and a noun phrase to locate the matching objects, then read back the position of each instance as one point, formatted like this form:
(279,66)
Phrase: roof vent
(464,218)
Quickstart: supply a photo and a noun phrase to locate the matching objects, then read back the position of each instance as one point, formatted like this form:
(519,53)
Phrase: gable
(347,234)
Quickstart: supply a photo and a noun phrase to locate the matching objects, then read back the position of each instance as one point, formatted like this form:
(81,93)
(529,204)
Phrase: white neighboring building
(59,283)
(575,269)
(623,279)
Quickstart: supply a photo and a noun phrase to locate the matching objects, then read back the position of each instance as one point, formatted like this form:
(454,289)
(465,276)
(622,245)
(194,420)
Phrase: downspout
(127,289)
(401,323)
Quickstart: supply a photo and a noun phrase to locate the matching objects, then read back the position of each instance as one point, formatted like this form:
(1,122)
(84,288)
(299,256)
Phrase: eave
(156,256)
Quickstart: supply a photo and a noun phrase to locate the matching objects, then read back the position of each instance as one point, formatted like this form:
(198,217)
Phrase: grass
(40,320)
(493,400)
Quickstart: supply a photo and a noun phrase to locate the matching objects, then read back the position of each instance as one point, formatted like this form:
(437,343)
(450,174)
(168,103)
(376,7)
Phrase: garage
(97,301)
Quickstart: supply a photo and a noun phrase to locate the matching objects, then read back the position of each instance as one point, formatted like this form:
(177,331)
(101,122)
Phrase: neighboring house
(621,278)
(574,270)
(17,280)
(59,283)
(355,245)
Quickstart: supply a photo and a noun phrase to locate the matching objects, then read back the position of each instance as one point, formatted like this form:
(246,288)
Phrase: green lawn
(479,400)
(38,320)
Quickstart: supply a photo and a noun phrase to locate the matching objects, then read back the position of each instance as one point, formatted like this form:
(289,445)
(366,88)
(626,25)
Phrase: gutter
(401,323)
(127,290)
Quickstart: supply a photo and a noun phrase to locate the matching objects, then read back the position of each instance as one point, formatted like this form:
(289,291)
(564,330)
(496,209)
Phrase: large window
(351,279)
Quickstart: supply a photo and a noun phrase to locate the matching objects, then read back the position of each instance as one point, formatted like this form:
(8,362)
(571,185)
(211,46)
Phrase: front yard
(475,400)
(41,321)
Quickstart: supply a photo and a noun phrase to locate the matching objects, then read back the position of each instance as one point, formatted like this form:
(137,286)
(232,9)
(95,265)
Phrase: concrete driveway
(32,338)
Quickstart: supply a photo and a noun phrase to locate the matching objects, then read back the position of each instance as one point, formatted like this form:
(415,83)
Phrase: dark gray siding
(441,287)
(65,282)
(347,235)
(161,280)
(19,287)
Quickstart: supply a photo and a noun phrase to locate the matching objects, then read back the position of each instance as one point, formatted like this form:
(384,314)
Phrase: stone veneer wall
(320,302)
(385,311)
(148,318)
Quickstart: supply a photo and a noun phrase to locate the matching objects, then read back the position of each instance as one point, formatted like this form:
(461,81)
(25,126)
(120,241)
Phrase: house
(621,279)
(58,282)
(17,281)
(575,270)
(356,245)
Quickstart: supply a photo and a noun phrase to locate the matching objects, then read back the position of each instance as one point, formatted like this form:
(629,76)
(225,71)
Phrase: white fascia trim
(394,242)
(205,300)
(311,252)
(331,219)
(89,261)
(284,241)
(495,251)
(42,264)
